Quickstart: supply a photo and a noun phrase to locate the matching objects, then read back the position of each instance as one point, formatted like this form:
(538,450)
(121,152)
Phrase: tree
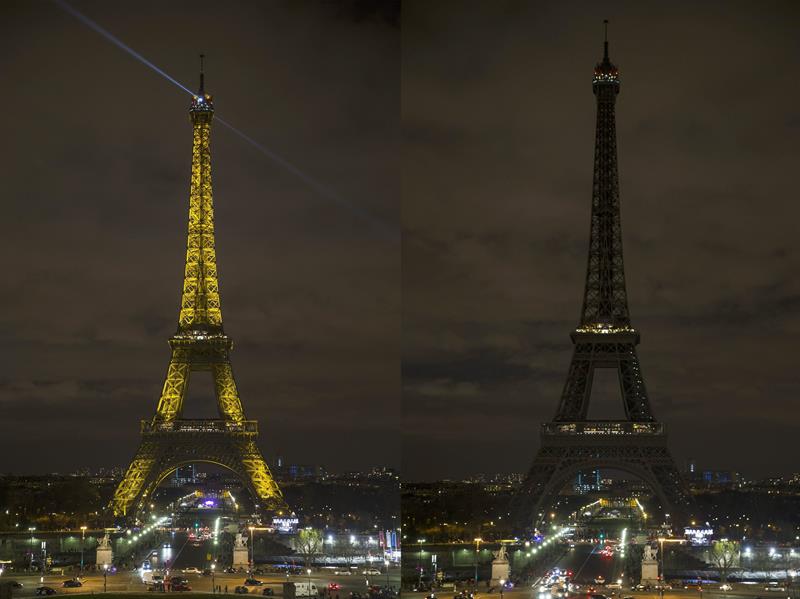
(309,544)
(724,555)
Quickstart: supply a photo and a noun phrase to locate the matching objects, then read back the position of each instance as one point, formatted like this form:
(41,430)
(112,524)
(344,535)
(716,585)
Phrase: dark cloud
(499,123)
(95,169)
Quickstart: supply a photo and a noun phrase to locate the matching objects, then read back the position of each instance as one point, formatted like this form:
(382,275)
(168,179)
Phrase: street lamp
(308,571)
(477,548)
(252,550)
(386,563)
(105,577)
(83,534)
(213,580)
(502,586)
(31,529)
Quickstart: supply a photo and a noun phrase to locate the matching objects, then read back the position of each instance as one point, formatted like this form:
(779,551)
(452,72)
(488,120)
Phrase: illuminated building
(200,344)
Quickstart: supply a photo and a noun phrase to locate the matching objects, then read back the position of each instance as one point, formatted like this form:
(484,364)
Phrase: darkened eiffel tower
(603,339)
(200,344)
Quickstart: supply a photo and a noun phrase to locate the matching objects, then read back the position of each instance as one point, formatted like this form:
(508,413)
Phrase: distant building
(588,482)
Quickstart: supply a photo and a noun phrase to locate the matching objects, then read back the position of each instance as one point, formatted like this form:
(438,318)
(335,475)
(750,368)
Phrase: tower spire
(202,82)
(605,44)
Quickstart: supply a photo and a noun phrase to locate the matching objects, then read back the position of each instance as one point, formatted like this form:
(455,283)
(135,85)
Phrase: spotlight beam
(319,188)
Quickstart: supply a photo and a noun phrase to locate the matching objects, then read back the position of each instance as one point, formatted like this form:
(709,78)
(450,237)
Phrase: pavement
(131,582)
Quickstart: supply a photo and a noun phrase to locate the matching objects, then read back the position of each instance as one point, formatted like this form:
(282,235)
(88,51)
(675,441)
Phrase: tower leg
(132,484)
(230,406)
(170,404)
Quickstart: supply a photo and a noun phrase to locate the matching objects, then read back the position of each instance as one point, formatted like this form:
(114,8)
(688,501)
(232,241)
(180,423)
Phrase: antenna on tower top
(605,40)
(202,83)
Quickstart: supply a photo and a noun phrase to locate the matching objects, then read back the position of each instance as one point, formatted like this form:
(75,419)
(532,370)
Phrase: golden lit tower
(200,344)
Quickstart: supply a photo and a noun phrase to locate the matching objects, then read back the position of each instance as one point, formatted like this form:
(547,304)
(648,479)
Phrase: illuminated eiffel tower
(200,344)
(572,443)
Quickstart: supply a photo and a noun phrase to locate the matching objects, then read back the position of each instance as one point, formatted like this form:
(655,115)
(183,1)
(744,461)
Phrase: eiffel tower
(603,339)
(200,344)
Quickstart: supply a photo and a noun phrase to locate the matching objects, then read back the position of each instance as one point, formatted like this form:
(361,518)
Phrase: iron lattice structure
(200,344)
(604,338)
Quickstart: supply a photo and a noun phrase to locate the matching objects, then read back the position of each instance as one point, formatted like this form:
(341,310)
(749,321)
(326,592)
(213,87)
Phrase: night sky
(477,139)
(95,171)
(498,122)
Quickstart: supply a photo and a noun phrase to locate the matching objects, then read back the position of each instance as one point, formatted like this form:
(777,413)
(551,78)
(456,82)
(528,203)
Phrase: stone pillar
(500,567)
(649,566)
(105,555)
(241,557)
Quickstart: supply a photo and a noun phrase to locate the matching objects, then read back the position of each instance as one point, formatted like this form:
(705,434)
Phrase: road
(131,582)
(184,553)
(586,564)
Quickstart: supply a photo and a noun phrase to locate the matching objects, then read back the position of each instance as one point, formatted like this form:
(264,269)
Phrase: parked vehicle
(252,582)
(240,590)
(45,590)
(267,592)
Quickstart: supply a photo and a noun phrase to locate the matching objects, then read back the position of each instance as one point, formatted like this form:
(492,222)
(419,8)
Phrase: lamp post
(213,580)
(30,530)
(663,574)
(477,548)
(83,536)
(252,550)
(105,577)
(308,572)
(502,587)
(386,563)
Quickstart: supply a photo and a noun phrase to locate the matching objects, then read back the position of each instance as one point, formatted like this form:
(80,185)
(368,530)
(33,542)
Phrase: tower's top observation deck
(201,101)
(605,73)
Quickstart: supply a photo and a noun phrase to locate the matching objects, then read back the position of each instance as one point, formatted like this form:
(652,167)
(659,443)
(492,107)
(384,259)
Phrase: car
(343,572)
(334,586)
(599,580)
(267,592)
(252,582)
(240,590)
(371,572)
(43,590)
(641,587)
(666,587)
(725,587)
(207,572)
(598,596)
(191,570)
(70,584)
(691,587)
(180,586)
(11,583)
(775,588)
(614,585)
(230,570)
